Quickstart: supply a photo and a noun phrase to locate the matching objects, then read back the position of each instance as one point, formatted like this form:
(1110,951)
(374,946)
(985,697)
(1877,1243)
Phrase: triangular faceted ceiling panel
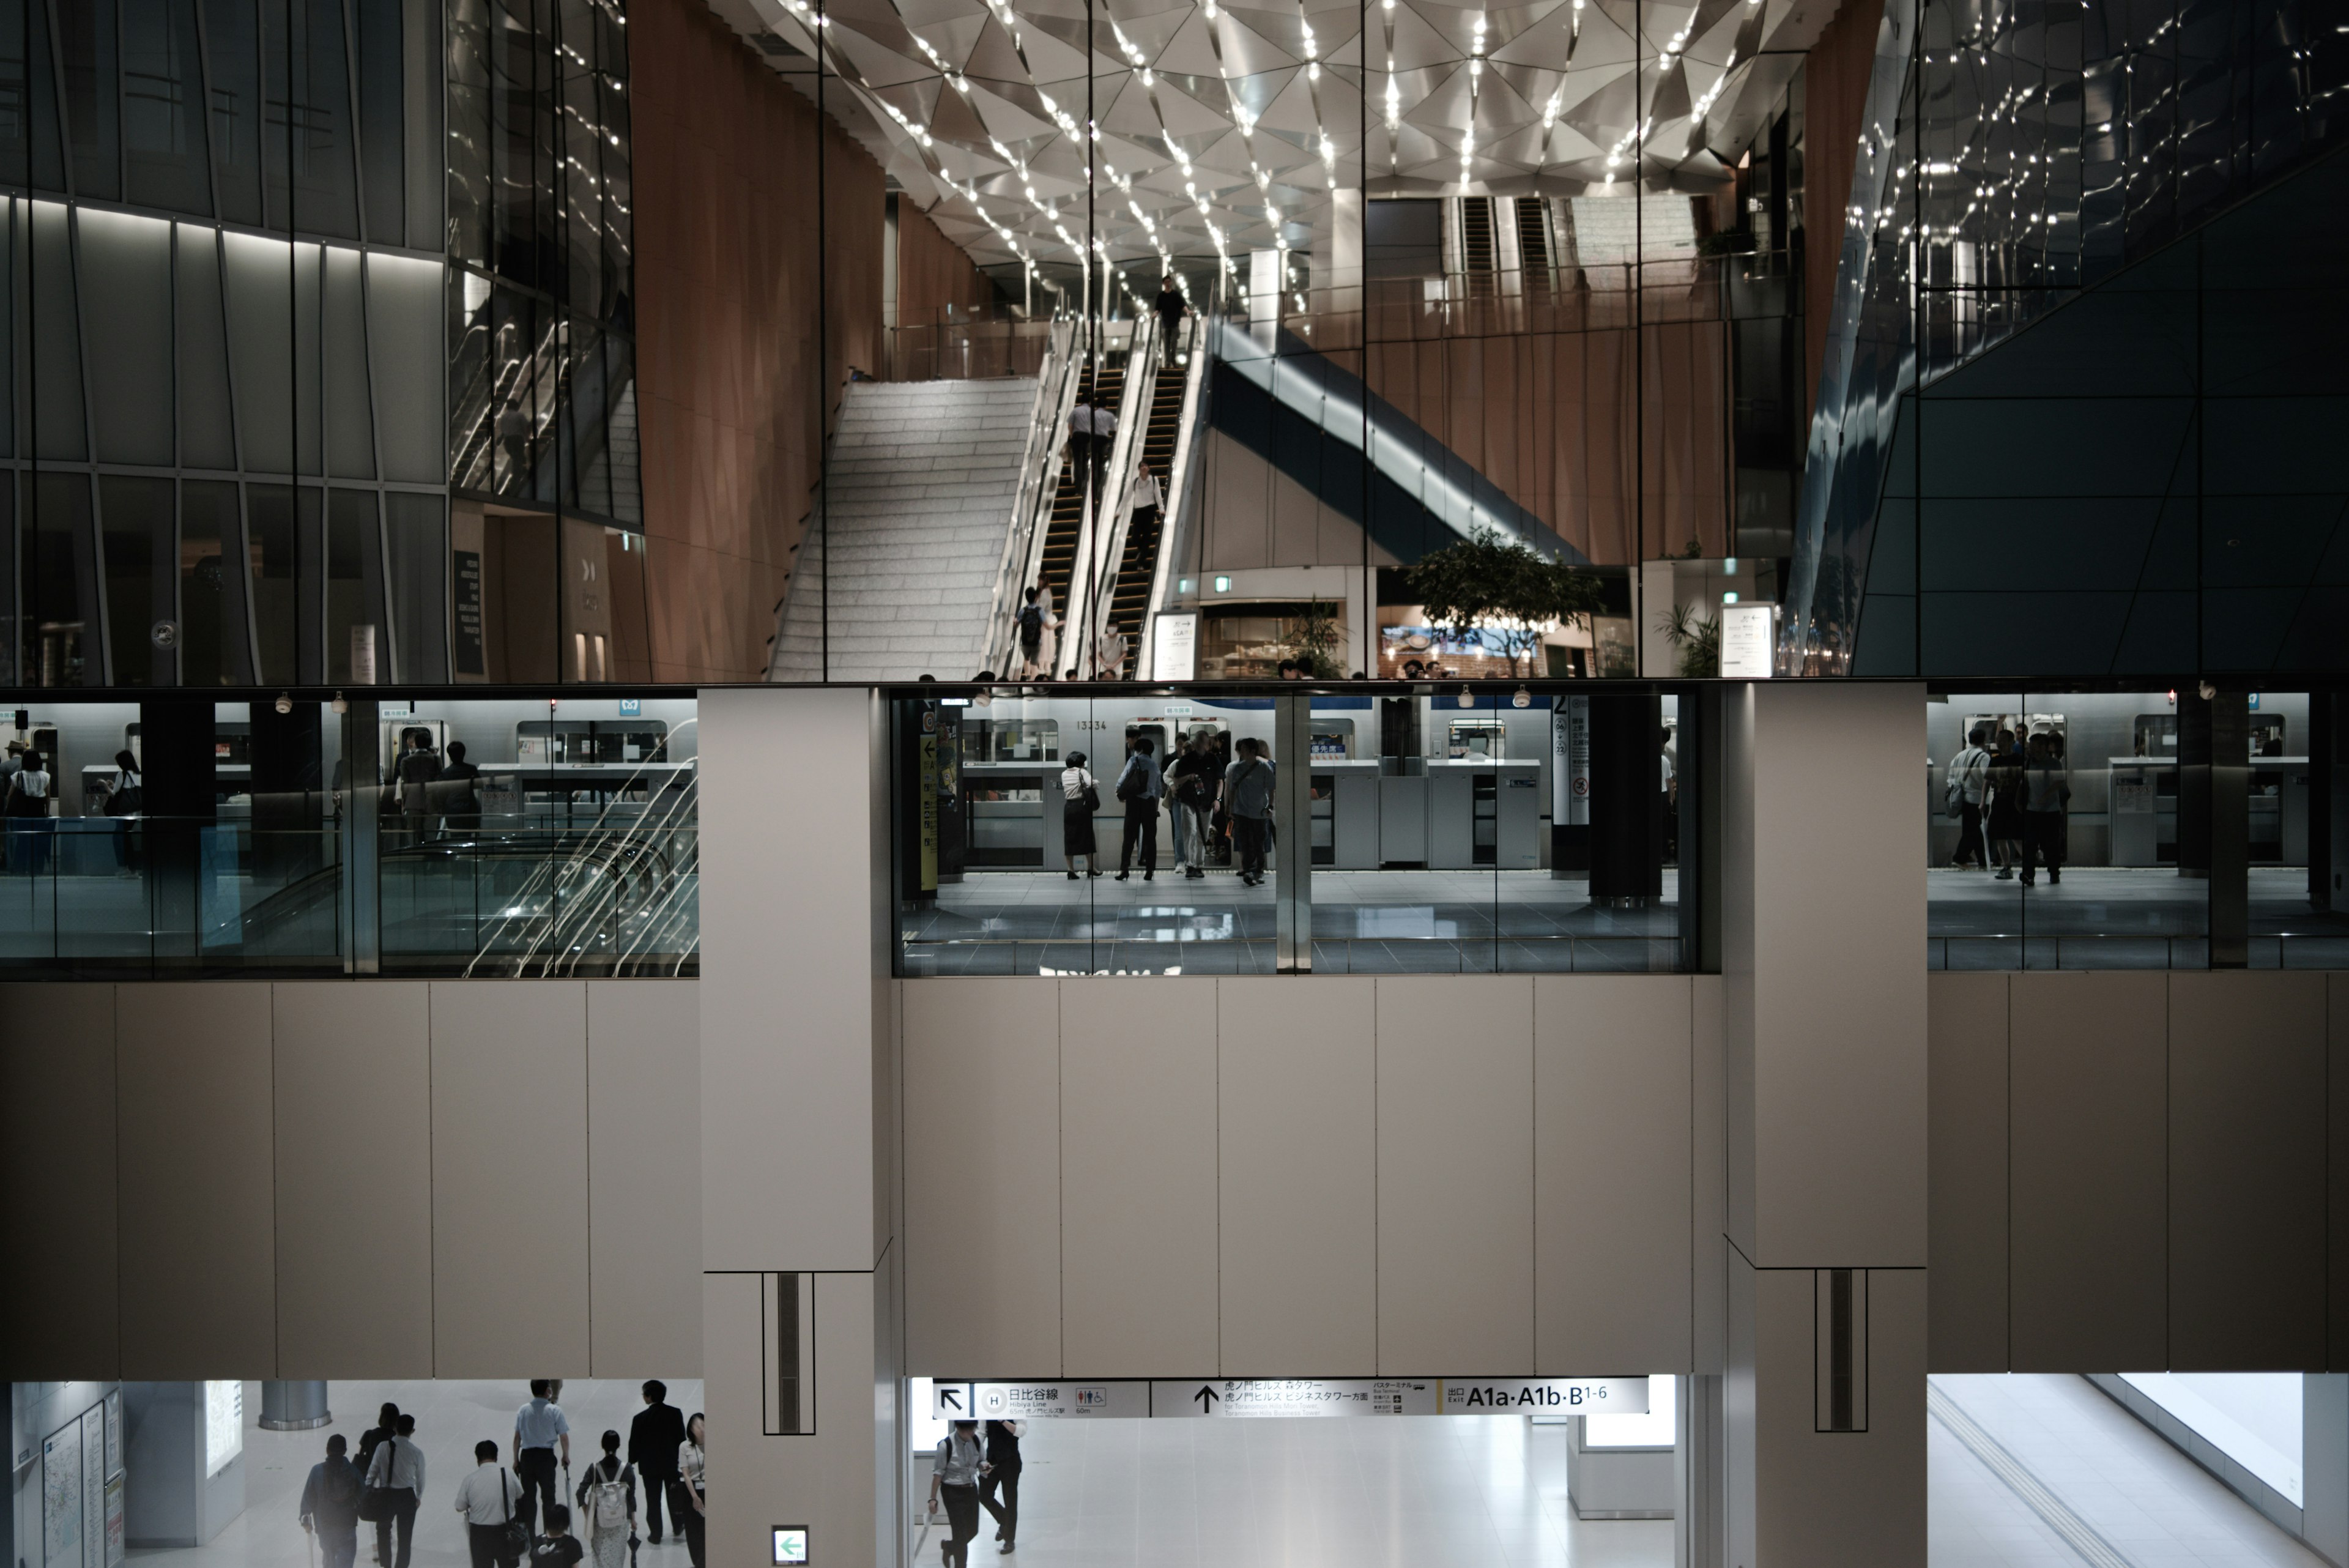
(1206,114)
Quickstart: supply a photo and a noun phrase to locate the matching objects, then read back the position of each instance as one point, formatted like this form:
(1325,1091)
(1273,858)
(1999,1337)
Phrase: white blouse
(1074,782)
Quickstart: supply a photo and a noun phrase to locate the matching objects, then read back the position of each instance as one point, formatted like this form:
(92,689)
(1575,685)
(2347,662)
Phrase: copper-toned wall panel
(933,272)
(728,274)
(1836,92)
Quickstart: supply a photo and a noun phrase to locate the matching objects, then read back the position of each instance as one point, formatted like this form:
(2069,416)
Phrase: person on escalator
(1032,633)
(1172,307)
(1143,500)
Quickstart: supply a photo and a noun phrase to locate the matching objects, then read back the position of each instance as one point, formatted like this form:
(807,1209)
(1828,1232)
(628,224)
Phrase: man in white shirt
(539,1427)
(398,1465)
(1969,771)
(488,1498)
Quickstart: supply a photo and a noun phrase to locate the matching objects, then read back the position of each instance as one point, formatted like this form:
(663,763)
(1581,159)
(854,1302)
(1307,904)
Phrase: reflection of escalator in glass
(1137,566)
(1101,384)
(1476,257)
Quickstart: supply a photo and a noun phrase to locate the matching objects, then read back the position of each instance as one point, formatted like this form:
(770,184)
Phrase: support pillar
(801,1315)
(1292,849)
(1627,801)
(1823,982)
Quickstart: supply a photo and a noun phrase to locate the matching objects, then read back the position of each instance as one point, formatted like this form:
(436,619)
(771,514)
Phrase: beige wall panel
(61,1320)
(510,1240)
(198,1229)
(354,1123)
(2337,1165)
(2246,1172)
(789,1022)
(643,1184)
(1966,1158)
(1613,1126)
(1137,1177)
(2088,1134)
(1298,1090)
(1455,1175)
(983,1176)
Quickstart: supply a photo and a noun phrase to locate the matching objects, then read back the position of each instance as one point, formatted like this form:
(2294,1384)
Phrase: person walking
(961,1462)
(1969,773)
(387,1427)
(2007,828)
(1032,633)
(1197,777)
(1172,307)
(489,1500)
(556,1546)
(419,766)
(1080,798)
(461,791)
(607,1506)
(1138,786)
(398,1468)
(1003,1475)
(2045,794)
(693,1515)
(27,810)
(1247,799)
(653,1440)
(539,1426)
(330,1504)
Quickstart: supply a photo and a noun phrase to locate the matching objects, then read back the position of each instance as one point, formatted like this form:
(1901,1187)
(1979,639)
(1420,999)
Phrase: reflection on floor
(1365,922)
(450,1417)
(2100,917)
(1464,1491)
(2108,1490)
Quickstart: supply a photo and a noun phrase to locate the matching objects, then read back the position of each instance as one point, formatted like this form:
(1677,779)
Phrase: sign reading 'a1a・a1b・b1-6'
(1289,1396)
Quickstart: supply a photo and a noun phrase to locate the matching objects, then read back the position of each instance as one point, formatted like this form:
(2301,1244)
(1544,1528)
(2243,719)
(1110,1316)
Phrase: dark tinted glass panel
(28,140)
(308,69)
(233,45)
(379,128)
(468,99)
(85,44)
(138,578)
(212,601)
(60,426)
(61,586)
(269,521)
(356,623)
(417,544)
(164,160)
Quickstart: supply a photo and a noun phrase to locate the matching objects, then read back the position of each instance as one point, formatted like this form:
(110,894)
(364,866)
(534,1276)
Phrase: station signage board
(1245,1398)
(1749,641)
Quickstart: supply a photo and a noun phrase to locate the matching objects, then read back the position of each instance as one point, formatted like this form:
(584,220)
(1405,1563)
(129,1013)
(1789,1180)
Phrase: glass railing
(2116,830)
(1423,834)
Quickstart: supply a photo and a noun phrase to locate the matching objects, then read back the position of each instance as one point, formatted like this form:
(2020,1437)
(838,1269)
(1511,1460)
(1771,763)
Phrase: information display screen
(223,1425)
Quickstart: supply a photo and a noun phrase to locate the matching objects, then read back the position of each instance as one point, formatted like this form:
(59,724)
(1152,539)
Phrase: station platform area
(1365,922)
(2101,916)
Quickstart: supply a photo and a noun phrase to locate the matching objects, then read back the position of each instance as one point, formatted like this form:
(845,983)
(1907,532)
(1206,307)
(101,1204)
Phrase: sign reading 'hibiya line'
(1286,1397)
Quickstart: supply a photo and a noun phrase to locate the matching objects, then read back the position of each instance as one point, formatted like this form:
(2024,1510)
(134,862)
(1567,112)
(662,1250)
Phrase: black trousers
(1140,823)
(655,1498)
(1970,837)
(338,1544)
(962,1522)
(1247,837)
(694,1524)
(487,1544)
(2043,842)
(537,1467)
(403,1503)
(1005,1479)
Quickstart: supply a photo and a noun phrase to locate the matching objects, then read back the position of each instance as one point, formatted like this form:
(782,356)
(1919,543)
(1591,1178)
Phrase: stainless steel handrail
(1023,540)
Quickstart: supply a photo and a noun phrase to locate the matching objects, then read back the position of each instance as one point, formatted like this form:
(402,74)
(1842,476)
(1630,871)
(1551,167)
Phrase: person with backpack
(1139,785)
(556,1546)
(1962,797)
(1035,617)
(491,1500)
(607,1505)
(330,1504)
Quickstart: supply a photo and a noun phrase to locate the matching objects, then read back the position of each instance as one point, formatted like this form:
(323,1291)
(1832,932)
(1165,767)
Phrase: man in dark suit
(654,1437)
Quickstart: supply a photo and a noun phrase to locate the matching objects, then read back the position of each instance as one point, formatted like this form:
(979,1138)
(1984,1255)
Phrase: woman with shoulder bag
(688,1499)
(1080,798)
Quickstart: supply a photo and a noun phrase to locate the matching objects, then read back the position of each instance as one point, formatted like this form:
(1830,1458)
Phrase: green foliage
(1698,639)
(1487,577)
(1313,637)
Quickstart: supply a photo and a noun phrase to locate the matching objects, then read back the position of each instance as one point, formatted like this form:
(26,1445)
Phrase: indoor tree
(1489,581)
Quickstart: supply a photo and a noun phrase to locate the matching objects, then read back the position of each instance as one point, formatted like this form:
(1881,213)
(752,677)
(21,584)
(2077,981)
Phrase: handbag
(513,1537)
(374,1503)
(1093,798)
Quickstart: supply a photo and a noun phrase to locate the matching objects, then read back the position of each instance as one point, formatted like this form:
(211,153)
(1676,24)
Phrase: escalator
(1477,258)
(1102,385)
(1137,566)
(1533,246)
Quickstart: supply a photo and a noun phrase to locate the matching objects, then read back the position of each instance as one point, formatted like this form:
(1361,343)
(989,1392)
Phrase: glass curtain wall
(2133,830)
(222,424)
(489,838)
(1396,832)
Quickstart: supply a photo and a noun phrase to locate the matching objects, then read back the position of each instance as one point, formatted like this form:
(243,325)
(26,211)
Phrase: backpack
(343,1488)
(611,1497)
(1131,783)
(1032,623)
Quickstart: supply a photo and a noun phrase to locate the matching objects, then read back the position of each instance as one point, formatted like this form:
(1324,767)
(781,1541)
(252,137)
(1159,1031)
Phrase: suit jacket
(653,1440)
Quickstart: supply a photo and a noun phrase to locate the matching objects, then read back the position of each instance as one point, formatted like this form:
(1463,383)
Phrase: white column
(798,1118)
(1823,934)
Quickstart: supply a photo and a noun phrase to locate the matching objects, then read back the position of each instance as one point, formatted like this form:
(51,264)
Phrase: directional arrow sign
(950,1402)
(1206,1397)
(1257,1397)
